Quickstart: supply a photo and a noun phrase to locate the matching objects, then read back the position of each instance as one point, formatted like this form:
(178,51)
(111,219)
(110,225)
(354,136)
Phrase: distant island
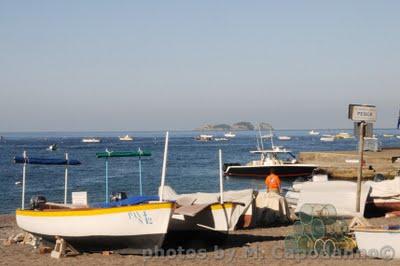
(239,126)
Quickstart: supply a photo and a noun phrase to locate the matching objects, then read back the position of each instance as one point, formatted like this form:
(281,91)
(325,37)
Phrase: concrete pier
(344,164)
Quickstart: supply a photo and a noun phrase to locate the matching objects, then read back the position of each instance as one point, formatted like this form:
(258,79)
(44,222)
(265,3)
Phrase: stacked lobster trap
(320,231)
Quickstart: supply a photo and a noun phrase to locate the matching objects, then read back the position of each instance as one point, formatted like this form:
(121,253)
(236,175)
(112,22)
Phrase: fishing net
(298,228)
(291,243)
(305,213)
(319,246)
(319,230)
(305,244)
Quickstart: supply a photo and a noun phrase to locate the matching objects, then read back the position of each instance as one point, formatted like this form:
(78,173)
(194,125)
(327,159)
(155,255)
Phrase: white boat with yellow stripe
(126,224)
(124,228)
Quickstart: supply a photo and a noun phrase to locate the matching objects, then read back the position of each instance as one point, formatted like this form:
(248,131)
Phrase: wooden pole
(107,196)
(23,182)
(221,181)
(164,167)
(66,180)
(140,173)
(361,158)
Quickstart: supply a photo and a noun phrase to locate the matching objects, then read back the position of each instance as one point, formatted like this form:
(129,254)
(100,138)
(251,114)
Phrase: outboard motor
(38,202)
(118,196)
(379,178)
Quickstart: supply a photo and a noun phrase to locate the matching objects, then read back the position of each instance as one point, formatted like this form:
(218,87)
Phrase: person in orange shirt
(273,182)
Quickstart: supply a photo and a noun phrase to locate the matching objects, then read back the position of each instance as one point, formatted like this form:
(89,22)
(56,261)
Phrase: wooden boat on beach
(379,242)
(129,228)
(203,215)
(126,225)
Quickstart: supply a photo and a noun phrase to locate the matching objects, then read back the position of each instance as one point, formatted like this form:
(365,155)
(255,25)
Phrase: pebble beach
(243,247)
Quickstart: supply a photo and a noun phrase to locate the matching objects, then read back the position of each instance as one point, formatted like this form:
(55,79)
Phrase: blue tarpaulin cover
(46,161)
(129,201)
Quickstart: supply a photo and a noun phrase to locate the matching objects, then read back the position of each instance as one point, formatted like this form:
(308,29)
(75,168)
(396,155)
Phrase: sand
(243,247)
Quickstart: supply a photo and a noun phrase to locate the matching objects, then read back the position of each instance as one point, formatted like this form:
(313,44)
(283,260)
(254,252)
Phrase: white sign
(366,113)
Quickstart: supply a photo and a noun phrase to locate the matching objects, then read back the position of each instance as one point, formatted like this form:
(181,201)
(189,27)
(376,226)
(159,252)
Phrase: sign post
(360,165)
(361,113)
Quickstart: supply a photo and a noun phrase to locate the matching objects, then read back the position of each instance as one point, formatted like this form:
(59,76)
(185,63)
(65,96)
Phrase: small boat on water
(52,147)
(126,138)
(221,139)
(230,135)
(379,242)
(388,135)
(204,137)
(398,136)
(344,135)
(284,138)
(91,140)
(313,133)
(327,138)
(282,161)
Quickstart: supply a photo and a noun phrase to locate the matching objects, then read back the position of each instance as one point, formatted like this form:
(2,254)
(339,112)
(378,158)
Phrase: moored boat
(284,138)
(313,133)
(327,138)
(283,162)
(126,138)
(230,135)
(52,147)
(91,140)
(343,135)
(204,137)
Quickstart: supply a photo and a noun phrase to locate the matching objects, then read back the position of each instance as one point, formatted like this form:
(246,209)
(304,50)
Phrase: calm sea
(192,165)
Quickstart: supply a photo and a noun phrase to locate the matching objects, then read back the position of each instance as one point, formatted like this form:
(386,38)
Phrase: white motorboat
(344,135)
(379,242)
(204,137)
(52,147)
(230,135)
(388,135)
(327,138)
(398,136)
(282,161)
(284,138)
(91,140)
(266,136)
(313,133)
(126,138)
(221,139)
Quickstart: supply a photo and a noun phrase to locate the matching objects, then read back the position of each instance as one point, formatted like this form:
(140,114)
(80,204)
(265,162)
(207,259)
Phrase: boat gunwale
(94,211)
(375,230)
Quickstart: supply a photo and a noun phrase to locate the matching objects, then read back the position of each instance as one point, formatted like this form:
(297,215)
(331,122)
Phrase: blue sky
(150,65)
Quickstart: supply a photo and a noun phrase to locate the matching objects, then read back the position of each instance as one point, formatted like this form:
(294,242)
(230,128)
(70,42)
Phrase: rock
(44,250)
(19,237)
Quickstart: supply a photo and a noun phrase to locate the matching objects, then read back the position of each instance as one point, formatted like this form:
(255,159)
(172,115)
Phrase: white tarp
(341,194)
(271,208)
(385,189)
(244,197)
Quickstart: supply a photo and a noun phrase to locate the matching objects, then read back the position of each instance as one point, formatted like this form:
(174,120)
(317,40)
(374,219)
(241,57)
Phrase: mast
(398,121)
(164,167)
(221,181)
